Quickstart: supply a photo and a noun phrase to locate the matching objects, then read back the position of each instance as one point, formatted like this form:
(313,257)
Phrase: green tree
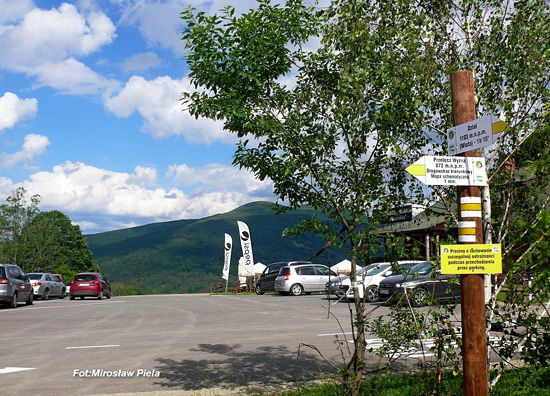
(335,125)
(337,139)
(52,242)
(15,214)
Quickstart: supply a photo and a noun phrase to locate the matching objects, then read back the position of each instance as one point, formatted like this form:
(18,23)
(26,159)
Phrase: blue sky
(90,118)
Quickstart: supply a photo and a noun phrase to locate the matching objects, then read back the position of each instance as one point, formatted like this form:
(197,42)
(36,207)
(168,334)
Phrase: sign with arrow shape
(474,134)
(450,171)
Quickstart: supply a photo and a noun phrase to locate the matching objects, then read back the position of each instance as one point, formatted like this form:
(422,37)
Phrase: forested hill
(186,256)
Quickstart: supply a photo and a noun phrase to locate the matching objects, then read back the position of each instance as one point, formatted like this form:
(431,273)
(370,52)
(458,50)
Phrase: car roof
(305,264)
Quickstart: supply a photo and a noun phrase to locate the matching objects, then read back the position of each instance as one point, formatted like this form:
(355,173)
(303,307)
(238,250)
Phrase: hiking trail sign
(450,171)
(474,134)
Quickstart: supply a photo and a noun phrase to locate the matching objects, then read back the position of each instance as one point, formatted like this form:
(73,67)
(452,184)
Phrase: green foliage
(67,273)
(121,289)
(52,241)
(520,382)
(14,216)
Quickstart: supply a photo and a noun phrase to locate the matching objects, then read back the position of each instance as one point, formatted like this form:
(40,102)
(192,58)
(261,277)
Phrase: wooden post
(474,341)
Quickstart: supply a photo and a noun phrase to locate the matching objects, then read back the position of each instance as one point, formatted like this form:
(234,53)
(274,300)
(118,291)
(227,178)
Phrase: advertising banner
(227,256)
(246,245)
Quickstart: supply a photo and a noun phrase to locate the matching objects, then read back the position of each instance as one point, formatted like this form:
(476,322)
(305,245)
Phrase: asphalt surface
(170,344)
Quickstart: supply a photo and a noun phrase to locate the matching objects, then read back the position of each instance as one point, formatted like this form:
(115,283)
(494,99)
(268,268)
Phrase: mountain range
(186,256)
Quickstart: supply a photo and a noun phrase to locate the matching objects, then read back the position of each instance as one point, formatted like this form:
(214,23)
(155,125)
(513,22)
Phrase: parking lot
(179,342)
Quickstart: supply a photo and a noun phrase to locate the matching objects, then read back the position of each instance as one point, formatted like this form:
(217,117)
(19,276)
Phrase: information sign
(471,259)
(447,171)
(474,134)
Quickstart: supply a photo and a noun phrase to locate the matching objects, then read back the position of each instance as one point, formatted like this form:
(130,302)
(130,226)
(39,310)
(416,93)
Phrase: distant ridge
(186,256)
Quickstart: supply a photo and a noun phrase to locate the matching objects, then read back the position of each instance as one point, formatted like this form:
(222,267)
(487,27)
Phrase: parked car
(60,277)
(14,286)
(308,278)
(333,286)
(423,283)
(90,284)
(368,280)
(46,285)
(67,288)
(266,281)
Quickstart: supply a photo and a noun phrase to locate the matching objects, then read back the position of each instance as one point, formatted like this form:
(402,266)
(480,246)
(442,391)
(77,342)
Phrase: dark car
(423,283)
(90,284)
(14,286)
(266,281)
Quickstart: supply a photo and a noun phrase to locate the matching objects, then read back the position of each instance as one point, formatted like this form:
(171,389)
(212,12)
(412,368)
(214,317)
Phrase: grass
(524,382)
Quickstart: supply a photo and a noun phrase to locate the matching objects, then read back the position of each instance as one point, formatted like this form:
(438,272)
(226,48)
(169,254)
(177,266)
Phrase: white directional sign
(450,171)
(474,134)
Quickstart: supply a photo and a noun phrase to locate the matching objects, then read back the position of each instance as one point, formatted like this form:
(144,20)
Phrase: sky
(90,117)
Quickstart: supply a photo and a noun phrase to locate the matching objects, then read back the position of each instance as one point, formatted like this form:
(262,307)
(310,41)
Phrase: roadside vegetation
(520,382)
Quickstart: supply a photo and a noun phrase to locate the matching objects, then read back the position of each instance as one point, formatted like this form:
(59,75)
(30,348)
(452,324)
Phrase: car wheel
(296,289)
(372,294)
(71,298)
(258,290)
(420,297)
(14,301)
(100,295)
(30,301)
(82,298)
(108,296)
(46,294)
(63,292)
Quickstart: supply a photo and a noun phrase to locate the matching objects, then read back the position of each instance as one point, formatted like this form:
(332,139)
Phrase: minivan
(14,286)
(303,278)
(266,281)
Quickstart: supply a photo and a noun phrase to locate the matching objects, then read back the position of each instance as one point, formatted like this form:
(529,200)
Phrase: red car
(90,284)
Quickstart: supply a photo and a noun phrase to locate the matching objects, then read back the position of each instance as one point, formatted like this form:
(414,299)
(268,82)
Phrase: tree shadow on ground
(232,367)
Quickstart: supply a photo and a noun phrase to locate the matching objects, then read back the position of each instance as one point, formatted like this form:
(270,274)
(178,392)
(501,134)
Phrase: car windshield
(376,270)
(2,272)
(34,276)
(85,277)
(421,269)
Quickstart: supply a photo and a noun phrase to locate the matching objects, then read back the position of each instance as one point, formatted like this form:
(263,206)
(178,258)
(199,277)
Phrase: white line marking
(92,346)
(14,369)
(333,334)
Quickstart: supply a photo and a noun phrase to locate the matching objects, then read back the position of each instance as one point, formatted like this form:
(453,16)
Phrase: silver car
(46,285)
(303,278)
(14,286)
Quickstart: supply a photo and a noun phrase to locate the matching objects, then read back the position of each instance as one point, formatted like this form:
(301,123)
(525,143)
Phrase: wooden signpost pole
(474,341)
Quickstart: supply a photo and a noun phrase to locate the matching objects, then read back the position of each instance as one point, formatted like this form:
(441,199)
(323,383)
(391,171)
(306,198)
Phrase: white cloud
(219,177)
(13,110)
(144,176)
(73,77)
(14,10)
(141,62)
(100,199)
(52,36)
(33,147)
(157,101)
